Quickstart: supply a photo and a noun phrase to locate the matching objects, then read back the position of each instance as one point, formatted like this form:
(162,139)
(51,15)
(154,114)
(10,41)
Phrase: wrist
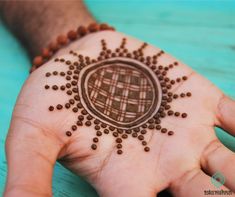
(34,30)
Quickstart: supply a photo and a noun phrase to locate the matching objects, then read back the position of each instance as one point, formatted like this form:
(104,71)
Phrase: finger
(217,158)
(194,183)
(226,114)
(31,156)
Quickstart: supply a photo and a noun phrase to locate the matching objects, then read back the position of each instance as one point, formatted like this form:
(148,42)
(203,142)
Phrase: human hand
(179,162)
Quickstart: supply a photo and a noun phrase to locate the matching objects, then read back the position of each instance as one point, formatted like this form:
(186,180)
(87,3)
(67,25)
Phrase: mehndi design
(120,93)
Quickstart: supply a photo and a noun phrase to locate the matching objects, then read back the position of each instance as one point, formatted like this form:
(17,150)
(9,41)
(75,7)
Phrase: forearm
(36,23)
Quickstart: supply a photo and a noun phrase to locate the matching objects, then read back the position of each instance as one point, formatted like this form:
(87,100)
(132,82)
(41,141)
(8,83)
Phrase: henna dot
(68,133)
(158,127)
(134,134)
(170,113)
(74,127)
(119,146)
(177,113)
(144,126)
(170,94)
(96,121)
(55,73)
(120,131)
(184,78)
(76,98)
(167,79)
(178,80)
(106,131)
(71,101)
(89,117)
(103,125)
(62,74)
(115,134)
(175,96)
(55,87)
(74,83)
(141,137)
(143,131)
(84,112)
(59,106)
(167,107)
(172,82)
(68,78)
(170,133)
(80,117)
(124,136)
(119,140)
(119,152)
(79,123)
(151,126)
(62,88)
(67,105)
(79,105)
(128,131)
(69,72)
(168,86)
(157,121)
(88,123)
(69,92)
(184,115)
(75,109)
(68,62)
(189,94)
(68,85)
(51,108)
(163,114)
(71,67)
(75,90)
(47,86)
(146,149)
(182,95)
(48,74)
(144,143)
(95,139)
(151,121)
(163,130)
(98,133)
(94,146)
(137,129)
(111,128)
(164,91)
(97,127)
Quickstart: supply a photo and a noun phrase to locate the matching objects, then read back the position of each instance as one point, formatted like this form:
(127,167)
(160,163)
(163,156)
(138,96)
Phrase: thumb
(31,154)
(226,114)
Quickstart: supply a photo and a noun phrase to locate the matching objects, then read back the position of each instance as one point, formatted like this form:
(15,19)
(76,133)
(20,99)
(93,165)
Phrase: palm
(170,157)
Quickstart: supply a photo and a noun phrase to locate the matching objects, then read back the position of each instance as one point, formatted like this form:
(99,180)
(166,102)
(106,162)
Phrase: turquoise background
(200,33)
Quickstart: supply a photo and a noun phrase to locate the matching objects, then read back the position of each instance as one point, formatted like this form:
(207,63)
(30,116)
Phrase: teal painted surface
(200,33)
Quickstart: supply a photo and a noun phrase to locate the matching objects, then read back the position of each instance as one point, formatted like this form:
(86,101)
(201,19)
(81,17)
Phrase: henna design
(120,92)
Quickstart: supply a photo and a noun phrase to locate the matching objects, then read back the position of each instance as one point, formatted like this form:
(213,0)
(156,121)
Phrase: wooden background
(200,33)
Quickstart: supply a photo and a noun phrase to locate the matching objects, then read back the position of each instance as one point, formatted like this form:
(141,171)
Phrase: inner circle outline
(88,105)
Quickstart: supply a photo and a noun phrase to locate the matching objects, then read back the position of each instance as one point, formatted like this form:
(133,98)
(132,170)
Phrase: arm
(36,23)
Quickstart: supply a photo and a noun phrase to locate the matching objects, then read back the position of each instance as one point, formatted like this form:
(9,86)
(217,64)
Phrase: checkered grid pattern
(120,92)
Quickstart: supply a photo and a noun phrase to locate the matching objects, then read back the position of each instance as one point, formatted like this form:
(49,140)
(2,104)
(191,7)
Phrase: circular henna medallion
(123,93)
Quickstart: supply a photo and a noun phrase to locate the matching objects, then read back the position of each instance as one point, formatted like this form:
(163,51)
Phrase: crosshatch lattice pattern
(122,93)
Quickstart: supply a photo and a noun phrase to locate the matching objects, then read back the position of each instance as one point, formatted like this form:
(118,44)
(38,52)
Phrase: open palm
(181,162)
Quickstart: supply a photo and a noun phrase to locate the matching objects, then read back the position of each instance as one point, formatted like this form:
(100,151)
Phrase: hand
(182,162)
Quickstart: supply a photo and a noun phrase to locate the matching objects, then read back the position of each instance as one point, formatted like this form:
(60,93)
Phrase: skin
(180,163)
(36,137)
(34,29)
